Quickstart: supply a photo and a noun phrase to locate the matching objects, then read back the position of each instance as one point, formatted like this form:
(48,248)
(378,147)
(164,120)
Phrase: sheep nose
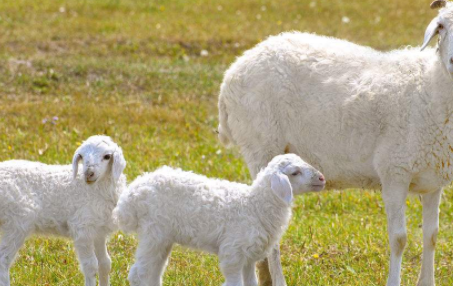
(90,174)
(321,178)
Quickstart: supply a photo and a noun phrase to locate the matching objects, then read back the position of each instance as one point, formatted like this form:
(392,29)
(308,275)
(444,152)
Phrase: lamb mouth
(90,182)
(318,187)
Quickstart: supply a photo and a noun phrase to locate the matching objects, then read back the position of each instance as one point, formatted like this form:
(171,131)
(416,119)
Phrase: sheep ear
(431,31)
(119,163)
(282,188)
(436,4)
(75,164)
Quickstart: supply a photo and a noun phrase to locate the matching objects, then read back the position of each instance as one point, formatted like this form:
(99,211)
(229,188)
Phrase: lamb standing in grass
(365,118)
(239,223)
(56,200)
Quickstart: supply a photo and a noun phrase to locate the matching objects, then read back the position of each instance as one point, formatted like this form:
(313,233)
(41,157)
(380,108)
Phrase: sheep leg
(276,268)
(249,274)
(431,202)
(11,242)
(232,270)
(104,261)
(87,258)
(394,196)
(151,260)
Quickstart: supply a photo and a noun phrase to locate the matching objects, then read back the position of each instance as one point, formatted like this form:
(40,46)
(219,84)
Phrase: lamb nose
(90,174)
(321,178)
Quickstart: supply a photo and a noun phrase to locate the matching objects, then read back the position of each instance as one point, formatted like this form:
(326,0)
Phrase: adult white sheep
(366,119)
(56,200)
(238,222)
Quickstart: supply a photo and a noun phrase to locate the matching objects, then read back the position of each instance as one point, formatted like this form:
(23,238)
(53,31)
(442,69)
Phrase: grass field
(147,73)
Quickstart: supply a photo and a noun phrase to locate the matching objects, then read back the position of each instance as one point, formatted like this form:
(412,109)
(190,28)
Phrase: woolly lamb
(56,200)
(364,118)
(239,223)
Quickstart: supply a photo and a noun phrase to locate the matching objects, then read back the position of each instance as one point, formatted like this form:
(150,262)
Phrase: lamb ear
(75,164)
(119,163)
(431,31)
(282,188)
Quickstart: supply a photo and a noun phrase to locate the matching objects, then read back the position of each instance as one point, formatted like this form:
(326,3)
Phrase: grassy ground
(147,73)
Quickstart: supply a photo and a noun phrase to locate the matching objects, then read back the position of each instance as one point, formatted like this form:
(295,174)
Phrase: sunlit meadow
(147,73)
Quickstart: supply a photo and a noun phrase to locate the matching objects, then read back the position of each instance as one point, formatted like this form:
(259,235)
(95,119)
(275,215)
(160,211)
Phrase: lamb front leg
(87,258)
(104,261)
(275,267)
(232,264)
(249,274)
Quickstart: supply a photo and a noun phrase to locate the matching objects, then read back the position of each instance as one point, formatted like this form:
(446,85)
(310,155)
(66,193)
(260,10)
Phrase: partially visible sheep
(239,223)
(365,118)
(56,200)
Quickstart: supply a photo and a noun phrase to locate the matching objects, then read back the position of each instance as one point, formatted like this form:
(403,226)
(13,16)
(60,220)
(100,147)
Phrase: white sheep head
(290,175)
(442,25)
(101,158)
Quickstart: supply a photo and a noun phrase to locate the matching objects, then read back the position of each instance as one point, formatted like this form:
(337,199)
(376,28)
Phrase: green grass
(132,69)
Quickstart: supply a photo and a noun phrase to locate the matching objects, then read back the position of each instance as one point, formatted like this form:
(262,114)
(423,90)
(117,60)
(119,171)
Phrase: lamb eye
(107,157)
(440,27)
(296,173)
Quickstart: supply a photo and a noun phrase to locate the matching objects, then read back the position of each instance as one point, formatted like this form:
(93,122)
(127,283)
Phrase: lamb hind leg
(10,244)
(431,202)
(151,259)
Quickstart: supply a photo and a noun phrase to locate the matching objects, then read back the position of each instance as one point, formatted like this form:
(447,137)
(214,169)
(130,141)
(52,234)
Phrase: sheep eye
(296,173)
(440,27)
(107,157)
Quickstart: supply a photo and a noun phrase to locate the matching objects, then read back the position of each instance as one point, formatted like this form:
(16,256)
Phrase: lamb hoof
(425,283)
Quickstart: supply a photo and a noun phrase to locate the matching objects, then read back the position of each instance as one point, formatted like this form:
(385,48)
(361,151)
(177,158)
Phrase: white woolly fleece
(238,222)
(355,113)
(46,199)
(364,118)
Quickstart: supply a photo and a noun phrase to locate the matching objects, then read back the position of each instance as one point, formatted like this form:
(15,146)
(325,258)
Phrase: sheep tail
(223,130)
(125,214)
